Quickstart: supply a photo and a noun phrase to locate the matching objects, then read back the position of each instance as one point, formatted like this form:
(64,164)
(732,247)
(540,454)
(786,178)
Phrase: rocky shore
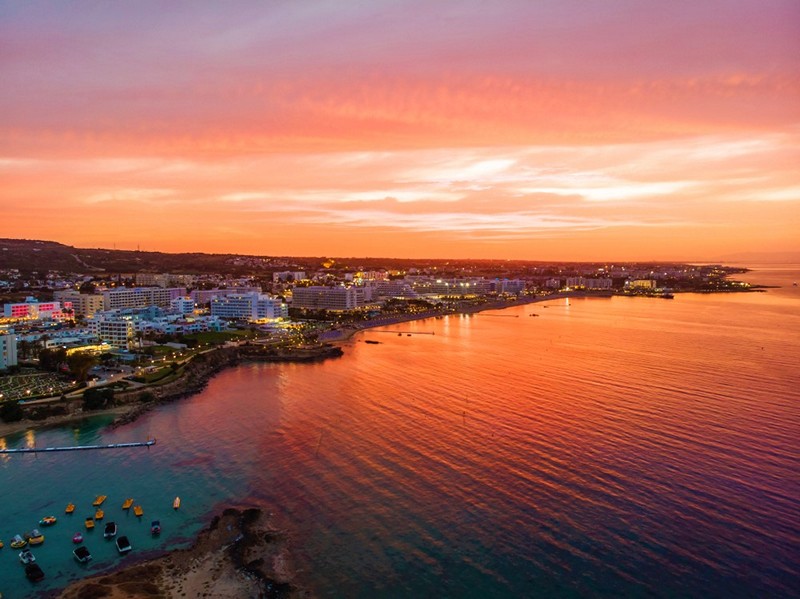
(240,555)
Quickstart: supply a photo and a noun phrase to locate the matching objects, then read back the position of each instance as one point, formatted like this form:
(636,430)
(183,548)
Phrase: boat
(99,500)
(128,503)
(47,521)
(82,554)
(1,544)
(155,528)
(18,542)
(123,545)
(177,503)
(70,508)
(89,522)
(26,557)
(77,538)
(35,537)
(110,530)
(98,515)
(137,510)
(34,572)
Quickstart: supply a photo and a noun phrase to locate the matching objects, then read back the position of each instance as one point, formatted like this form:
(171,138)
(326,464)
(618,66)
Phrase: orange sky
(510,129)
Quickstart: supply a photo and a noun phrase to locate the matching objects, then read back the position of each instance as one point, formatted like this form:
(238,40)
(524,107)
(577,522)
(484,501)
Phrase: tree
(51,358)
(10,411)
(80,362)
(97,399)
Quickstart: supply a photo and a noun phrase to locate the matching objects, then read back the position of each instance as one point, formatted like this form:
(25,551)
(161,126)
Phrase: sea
(606,447)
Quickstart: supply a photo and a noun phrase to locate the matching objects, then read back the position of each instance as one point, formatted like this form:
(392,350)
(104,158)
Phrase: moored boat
(34,572)
(26,557)
(48,521)
(89,522)
(123,545)
(127,504)
(98,515)
(82,554)
(110,530)
(177,503)
(77,538)
(18,542)
(137,510)
(99,500)
(34,537)
(155,528)
(70,508)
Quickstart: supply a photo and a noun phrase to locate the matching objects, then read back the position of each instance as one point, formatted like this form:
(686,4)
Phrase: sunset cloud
(404,127)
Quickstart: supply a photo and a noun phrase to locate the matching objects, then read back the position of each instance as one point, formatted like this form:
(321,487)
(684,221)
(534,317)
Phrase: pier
(401,332)
(147,443)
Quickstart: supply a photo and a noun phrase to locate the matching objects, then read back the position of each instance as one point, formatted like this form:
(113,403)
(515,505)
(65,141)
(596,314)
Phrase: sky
(511,129)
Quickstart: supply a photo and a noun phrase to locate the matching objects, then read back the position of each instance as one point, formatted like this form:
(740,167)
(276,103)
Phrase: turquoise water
(609,447)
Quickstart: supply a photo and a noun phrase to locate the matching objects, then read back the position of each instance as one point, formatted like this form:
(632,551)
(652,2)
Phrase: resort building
(139,297)
(117,331)
(8,351)
(182,305)
(33,309)
(288,275)
(249,306)
(202,297)
(328,298)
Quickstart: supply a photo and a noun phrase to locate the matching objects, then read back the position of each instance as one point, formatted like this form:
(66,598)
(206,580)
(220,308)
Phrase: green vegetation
(10,411)
(98,399)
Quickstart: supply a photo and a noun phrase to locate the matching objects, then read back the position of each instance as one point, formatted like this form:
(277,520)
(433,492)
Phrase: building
(149,279)
(202,297)
(640,284)
(182,305)
(288,275)
(249,306)
(115,330)
(8,351)
(140,297)
(328,298)
(33,309)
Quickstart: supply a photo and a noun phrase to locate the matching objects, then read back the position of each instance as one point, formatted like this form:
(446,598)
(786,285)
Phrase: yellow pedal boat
(128,503)
(99,500)
(138,511)
(70,508)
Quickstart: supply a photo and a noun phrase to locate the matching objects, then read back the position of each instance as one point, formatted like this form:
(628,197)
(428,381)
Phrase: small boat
(110,530)
(137,510)
(155,528)
(18,542)
(98,515)
(123,545)
(89,522)
(82,554)
(99,500)
(26,557)
(70,508)
(177,503)
(35,537)
(77,538)
(1,546)
(47,521)
(34,572)
(128,503)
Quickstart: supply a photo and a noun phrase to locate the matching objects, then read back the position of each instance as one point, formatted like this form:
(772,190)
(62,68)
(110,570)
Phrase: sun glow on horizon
(442,131)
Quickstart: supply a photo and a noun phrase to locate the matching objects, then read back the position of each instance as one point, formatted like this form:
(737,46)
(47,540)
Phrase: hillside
(33,255)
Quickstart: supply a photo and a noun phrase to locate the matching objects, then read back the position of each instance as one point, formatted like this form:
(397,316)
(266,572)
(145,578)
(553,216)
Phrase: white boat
(26,557)
(123,545)
(82,554)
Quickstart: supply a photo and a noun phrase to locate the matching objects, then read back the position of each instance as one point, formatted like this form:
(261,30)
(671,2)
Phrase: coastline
(237,556)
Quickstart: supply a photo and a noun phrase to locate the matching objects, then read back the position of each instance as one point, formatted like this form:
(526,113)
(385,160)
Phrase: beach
(238,556)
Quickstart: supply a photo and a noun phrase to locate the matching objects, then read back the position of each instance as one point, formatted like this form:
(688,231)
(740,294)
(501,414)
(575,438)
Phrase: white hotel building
(249,306)
(328,298)
(140,297)
(8,351)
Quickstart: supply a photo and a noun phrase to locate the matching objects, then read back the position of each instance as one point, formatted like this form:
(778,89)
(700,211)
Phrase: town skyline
(554,132)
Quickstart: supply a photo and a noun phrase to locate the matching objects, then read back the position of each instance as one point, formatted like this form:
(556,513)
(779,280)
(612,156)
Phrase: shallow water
(622,446)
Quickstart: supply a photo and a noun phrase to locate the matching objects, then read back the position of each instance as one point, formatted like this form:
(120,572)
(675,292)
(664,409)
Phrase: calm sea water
(612,447)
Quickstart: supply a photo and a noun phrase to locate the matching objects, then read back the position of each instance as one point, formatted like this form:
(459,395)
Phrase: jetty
(401,332)
(147,443)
